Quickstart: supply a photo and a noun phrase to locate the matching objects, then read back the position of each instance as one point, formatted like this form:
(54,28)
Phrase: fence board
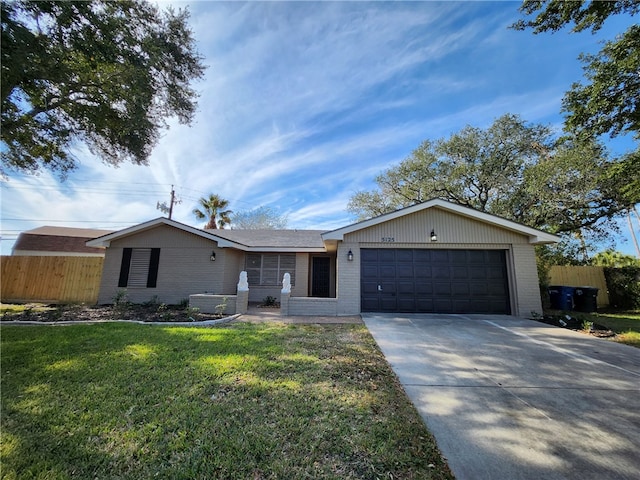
(50,279)
(581,276)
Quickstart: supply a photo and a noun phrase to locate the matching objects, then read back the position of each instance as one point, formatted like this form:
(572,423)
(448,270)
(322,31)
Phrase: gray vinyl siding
(450,228)
(185,267)
(525,275)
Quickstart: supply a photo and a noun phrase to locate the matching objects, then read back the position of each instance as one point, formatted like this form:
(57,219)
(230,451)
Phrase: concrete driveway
(508,398)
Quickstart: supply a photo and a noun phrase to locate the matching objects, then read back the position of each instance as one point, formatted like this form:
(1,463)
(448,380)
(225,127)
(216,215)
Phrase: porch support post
(284,304)
(242,301)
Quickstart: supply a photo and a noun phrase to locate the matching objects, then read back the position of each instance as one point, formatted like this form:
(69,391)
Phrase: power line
(63,187)
(66,221)
(87,190)
(84,180)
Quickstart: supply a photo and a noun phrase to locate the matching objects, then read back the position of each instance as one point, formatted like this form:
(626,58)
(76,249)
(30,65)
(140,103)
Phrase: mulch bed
(143,313)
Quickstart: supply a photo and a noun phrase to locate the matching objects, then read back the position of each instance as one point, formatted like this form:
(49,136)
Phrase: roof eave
(284,249)
(105,240)
(546,239)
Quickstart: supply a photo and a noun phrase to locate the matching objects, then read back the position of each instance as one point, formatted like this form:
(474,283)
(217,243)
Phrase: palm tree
(213,208)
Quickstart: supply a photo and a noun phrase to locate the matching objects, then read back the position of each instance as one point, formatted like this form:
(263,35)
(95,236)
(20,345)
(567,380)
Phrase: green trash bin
(585,299)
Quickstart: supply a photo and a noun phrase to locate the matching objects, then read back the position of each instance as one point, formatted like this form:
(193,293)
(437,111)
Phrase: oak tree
(608,102)
(512,169)
(104,73)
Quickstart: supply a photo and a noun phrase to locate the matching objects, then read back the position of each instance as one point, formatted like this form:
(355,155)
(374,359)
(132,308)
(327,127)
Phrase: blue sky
(304,103)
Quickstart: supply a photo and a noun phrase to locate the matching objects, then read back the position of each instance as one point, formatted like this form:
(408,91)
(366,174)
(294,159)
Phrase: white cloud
(304,103)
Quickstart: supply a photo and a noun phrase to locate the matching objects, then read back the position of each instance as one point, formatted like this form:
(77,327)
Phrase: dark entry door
(434,281)
(320,277)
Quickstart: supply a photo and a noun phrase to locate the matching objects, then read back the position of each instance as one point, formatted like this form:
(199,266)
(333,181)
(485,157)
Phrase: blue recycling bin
(561,297)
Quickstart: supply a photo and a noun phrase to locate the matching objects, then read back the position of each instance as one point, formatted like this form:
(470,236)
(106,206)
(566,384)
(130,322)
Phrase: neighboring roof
(535,236)
(68,231)
(58,239)
(246,240)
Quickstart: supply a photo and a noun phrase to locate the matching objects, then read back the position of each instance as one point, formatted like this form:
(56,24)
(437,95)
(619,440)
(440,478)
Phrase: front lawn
(626,325)
(243,401)
(618,326)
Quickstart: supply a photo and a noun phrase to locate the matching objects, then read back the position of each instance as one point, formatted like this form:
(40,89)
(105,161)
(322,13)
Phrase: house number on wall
(388,239)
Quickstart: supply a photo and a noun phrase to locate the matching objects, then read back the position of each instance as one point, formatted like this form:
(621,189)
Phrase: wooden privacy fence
(50,279)
(579,276)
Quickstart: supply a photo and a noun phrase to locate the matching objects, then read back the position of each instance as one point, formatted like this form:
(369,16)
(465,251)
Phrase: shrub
(184,303)
(269,301)
(121,301)
(221,307)
(624,286)
(152,302)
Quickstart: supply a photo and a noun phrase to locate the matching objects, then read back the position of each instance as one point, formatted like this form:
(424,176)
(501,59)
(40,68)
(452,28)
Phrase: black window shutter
(124,267)
(154,261)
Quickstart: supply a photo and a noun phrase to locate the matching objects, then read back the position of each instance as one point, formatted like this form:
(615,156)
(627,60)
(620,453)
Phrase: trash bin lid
(586,290)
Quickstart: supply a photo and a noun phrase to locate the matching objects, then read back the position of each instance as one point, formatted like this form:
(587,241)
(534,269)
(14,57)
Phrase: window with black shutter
(139,267)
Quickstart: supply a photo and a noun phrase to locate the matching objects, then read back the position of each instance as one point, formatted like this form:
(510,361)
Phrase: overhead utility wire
(66,221)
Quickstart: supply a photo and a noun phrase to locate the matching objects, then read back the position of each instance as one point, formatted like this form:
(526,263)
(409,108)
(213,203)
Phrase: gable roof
(246,240)
(535,236)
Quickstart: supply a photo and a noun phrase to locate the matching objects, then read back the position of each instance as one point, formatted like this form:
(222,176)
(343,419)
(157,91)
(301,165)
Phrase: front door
(320,277)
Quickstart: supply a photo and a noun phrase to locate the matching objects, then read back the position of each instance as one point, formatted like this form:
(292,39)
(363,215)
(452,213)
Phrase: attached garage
(437,257)
(430,281)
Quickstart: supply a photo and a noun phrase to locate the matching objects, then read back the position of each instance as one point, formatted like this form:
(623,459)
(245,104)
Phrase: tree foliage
(609,101)
(512,169)
(612,258)
(554,15)
(213,209)
(101,72)
(623,284)
(475,168)
(261,218)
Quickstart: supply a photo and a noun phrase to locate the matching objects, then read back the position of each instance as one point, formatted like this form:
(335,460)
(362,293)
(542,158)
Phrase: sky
(303,104)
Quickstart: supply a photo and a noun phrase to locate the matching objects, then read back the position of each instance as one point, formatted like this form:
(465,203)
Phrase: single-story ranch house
(436,257)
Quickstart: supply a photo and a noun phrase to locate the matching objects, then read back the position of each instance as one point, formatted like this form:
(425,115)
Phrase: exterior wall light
(350,256)
(433,236)
(213,256)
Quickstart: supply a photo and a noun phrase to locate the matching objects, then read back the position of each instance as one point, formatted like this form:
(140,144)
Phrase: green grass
(265,401)
(625,324)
